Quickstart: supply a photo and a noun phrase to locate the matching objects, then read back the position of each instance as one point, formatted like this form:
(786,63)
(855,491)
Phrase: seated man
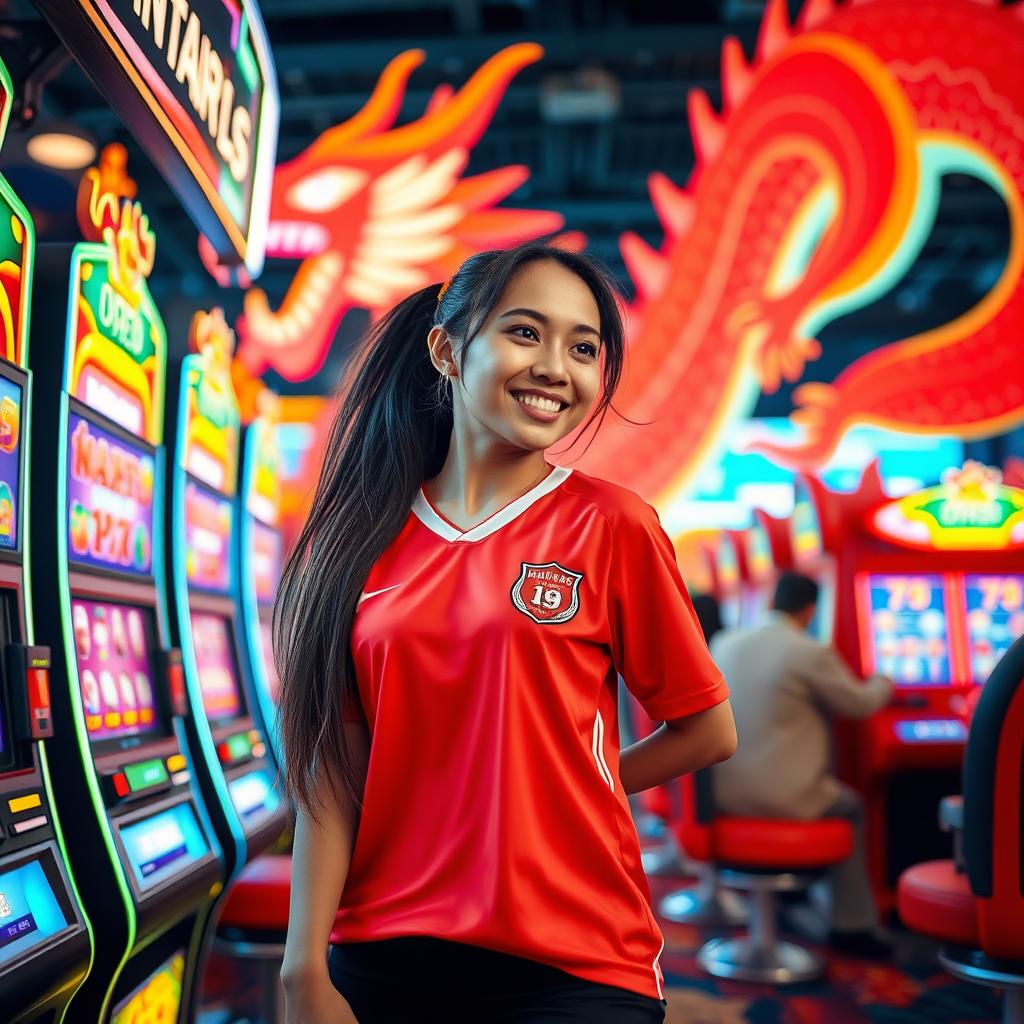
(784,687)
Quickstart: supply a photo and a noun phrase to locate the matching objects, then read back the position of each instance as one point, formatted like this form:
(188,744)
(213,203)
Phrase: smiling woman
(461,610)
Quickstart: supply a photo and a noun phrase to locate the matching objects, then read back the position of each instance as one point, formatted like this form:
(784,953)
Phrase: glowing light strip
(250,606)
(188,651)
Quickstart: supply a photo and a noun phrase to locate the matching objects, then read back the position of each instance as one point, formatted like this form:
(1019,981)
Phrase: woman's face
(533,371)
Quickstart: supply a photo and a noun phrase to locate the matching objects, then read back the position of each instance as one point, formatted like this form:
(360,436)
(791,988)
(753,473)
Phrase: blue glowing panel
(29,911)
(907,627)
(163,845)
(995,618)
(253,795)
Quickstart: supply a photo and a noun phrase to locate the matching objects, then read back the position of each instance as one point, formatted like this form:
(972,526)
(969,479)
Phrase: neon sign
(212,424)
(779,232)
(110,500)
(971,510)
(17,251)
(118,346)
(195,83)
(376,212)
(10,461)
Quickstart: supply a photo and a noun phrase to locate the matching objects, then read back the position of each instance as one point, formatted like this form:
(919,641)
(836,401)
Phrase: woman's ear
(441,354)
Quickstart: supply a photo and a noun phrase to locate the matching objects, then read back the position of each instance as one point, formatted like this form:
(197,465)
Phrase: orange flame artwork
(813,192)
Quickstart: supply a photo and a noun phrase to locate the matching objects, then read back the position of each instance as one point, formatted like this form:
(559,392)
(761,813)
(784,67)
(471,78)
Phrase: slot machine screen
(266,561)
(267,647)
(995,618)
(905,627)
(109,499)
(215,663)
(115,672)
(10,462)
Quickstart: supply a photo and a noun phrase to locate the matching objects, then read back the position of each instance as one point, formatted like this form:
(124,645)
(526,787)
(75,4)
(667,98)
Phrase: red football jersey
(487,664)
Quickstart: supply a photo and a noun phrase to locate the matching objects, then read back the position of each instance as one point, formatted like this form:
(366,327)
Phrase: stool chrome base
(761,955)
(784,963)
(706,904)
(974,966)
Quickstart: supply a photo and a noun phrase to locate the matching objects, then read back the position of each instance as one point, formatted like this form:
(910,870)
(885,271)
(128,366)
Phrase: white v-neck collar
(425,513)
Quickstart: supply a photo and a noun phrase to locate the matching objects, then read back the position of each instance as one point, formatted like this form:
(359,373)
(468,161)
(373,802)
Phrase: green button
(145,774)
(239,746)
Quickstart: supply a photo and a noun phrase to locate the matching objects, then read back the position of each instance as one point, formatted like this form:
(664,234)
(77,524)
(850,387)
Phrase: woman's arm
(681,745)
(321,855)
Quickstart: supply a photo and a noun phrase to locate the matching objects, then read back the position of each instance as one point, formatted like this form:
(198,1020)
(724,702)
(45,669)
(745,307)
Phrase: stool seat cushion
(780,843)
(936,900)
(258,899)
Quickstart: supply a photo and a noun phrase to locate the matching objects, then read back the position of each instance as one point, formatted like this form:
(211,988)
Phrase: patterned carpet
(910,989)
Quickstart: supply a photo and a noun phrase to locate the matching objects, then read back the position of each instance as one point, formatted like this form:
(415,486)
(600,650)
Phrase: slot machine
(929,590)
(261,552)
(730,576)
(768,553)
(45,937)
(227,731)
(144,853)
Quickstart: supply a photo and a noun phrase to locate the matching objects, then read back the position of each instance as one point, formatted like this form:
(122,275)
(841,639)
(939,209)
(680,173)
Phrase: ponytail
(391,432)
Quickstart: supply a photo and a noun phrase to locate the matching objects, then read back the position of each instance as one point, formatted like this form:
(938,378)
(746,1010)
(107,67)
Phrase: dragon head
(376,212)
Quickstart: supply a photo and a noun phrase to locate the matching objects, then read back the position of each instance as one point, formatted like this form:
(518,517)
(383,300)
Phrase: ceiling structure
(604,108)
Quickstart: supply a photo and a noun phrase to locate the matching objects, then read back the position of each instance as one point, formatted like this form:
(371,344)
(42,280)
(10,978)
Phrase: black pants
(433,981)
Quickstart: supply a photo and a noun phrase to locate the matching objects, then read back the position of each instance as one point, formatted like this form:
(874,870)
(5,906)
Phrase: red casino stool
(762,857)
(706,904)
(253,924)
(978,913)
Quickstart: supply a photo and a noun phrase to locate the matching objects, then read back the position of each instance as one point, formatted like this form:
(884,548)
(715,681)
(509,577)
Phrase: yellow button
(24,803)
(176,762)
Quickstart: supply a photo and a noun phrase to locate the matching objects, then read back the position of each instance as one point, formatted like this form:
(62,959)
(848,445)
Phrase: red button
(121,784)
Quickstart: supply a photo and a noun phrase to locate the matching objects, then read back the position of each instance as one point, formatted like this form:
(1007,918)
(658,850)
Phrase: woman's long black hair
(391,432)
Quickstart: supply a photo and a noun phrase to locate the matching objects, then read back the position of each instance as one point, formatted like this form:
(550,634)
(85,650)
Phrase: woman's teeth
(544,404)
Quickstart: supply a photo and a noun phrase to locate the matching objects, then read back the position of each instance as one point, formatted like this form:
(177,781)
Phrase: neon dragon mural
(813,192)
(376,212)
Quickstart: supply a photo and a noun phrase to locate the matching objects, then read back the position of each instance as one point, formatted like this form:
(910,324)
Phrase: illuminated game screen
(209,518)
(29,910)
(10,461)
(907,627)
(110,499)
(266,561)
(995,618)
(157,999)
(267,646)
(112,645)
(215,663)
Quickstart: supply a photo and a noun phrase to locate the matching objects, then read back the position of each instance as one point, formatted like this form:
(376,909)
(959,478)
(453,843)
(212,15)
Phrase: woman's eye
(588,348)
(530,332)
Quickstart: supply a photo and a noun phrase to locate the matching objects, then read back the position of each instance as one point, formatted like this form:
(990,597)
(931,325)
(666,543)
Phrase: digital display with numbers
(995,618)
(907,627)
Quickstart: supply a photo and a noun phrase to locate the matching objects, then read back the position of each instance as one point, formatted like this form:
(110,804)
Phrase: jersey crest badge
(547,592)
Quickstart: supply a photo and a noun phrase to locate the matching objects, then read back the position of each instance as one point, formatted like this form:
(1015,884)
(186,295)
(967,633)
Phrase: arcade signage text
(195,82)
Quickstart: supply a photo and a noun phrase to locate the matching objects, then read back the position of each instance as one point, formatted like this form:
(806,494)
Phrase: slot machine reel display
(926,589)
(230,732)
(145,853)
(45,936)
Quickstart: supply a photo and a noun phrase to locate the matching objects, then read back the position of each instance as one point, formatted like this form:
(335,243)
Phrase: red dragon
(376,212)
(812,193)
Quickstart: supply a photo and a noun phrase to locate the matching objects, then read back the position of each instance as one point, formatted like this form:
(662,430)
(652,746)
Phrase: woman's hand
(312,999)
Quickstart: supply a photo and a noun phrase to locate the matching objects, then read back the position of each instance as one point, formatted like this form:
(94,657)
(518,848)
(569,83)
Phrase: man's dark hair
(794,593)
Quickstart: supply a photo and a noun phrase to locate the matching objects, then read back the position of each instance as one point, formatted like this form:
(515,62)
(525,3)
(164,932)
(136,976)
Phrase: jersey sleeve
(657,644)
